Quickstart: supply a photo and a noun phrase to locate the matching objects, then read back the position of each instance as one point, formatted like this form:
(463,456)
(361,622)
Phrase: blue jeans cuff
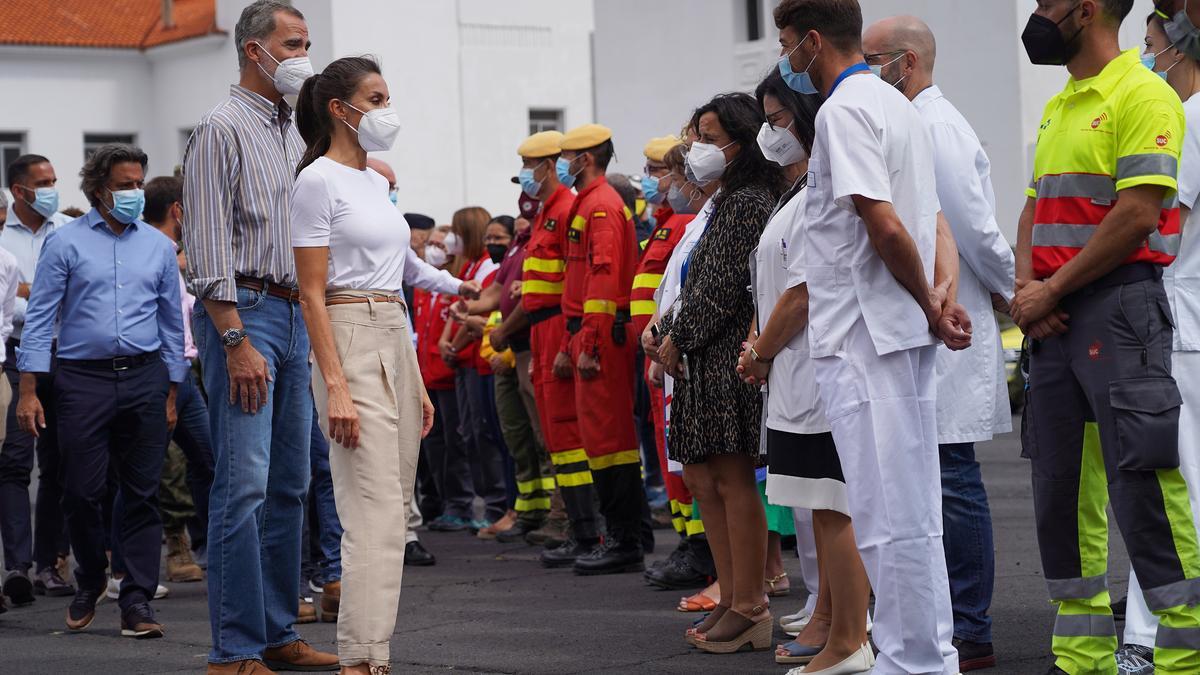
(294,637)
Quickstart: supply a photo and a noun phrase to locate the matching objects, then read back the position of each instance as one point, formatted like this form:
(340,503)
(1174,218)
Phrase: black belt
(574,324)
(519,342)
(115,364)
(1125,274)
(543,314)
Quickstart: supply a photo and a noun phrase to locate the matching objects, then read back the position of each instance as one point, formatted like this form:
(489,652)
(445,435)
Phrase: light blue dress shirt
(26,246)
(112,296)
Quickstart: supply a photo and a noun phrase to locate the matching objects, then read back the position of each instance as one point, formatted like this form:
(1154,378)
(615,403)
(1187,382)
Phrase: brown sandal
(705,624)
(736,630)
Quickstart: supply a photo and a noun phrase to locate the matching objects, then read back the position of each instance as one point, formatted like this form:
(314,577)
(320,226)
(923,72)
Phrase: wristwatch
(233,337)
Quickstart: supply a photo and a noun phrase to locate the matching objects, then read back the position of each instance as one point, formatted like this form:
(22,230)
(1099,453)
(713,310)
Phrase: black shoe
(567,554)
(137,621)
(416,555)
(974,655)
(612,558)
(1055,670)
(680,550)
(1135,660)
(83,608)
(677,574)
(18,588)
(516,533)
(1118,609)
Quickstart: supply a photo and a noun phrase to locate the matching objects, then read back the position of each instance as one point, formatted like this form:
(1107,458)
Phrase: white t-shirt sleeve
(857,165)
(312,209)
(421,274)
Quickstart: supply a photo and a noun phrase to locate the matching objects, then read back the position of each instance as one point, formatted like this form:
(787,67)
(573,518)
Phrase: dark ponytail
(338,81)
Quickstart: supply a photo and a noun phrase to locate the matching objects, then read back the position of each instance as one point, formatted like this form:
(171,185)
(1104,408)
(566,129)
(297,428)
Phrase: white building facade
(657,61)
(469,78)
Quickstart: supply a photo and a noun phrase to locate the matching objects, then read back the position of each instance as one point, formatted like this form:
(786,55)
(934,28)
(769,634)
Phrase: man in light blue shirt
(32,216)
(111,282)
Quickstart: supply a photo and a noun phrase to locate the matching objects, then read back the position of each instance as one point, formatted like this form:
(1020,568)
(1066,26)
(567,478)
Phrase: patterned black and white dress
(713,412)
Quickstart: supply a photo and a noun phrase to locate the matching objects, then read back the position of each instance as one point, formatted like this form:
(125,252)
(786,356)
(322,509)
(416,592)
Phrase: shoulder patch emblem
(600,214)
(663,234)
(551,224)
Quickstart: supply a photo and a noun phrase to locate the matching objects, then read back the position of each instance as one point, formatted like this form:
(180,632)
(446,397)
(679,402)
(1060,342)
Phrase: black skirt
(804,471)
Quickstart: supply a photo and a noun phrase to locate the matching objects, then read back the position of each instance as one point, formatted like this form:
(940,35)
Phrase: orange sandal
(696,603)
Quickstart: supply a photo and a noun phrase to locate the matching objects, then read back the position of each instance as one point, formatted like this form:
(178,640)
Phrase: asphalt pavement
(491,608)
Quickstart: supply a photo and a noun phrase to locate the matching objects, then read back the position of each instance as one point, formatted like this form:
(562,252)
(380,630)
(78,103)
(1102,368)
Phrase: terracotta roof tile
(119,24)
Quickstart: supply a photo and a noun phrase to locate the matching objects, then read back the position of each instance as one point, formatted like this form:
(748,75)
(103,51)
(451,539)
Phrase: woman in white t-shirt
(352,257)
(804,471)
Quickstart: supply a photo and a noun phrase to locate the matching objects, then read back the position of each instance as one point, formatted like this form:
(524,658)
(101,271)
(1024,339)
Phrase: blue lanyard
(687,261)
(856,68)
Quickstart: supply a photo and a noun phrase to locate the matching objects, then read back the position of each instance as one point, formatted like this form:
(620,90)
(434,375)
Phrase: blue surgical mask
(798,82)
(1149,60)
(650,190)
(127,205)
(1183,33)
(563,168)
(393,195)
(529,185)
(877,70)
(45,201)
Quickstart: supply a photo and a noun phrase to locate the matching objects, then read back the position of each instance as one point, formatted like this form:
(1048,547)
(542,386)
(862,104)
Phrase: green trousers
(535,477)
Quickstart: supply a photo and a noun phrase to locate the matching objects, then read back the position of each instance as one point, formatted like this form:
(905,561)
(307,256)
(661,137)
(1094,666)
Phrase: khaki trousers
(373,483)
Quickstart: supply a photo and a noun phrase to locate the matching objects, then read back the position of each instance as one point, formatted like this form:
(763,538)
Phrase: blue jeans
(485,450)
(260,482)
(329,528)
(970,556)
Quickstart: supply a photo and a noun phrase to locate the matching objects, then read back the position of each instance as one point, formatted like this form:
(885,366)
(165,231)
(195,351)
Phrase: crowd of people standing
(787,325)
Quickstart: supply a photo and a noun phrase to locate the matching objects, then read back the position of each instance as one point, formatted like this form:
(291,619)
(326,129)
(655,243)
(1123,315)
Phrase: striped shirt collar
(270,112)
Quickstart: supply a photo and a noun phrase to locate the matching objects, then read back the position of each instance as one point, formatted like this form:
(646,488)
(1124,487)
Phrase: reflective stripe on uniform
(1157,164)
(568,457)
(543,287)
(615,459)
(646,280)
(1182,592)
(544,265)
(574,478)
(642,307)
(694,527)
(600,307)
(1077,236)
(541,504)
(1177,638)
(1085,625)
(527,486)
(1076,589)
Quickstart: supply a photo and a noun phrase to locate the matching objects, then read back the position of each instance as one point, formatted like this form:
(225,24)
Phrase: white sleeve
(967,205)
(795,244)
(8,298)
(421,274)
(312,210)
(1189,163)
(857,165)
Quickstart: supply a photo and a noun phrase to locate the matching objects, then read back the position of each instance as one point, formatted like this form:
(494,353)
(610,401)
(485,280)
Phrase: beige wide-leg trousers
(373,482)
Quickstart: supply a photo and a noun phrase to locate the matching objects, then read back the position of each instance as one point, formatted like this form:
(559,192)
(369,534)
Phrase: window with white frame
(92,142)
(12,146)
(545,119)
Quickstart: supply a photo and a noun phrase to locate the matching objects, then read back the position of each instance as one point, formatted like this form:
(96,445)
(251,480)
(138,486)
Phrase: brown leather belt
(359,299)
(270,288)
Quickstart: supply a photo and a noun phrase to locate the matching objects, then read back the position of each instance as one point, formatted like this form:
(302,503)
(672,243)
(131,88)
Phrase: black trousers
(119,417)
(43,537)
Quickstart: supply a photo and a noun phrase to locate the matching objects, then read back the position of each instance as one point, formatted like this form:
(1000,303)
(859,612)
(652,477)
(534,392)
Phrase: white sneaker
(113,592)
(792,624)
(861,661)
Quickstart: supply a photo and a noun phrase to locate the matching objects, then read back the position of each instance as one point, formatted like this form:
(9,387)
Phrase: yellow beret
(541,144)
(586,136)
(657,148)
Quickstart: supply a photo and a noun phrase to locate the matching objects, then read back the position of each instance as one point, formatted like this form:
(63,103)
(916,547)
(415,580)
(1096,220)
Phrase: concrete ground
(488,608)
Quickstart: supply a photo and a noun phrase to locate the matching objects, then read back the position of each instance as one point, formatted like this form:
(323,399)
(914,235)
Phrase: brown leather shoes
(308,613)
(247,667)
(299,655)
(331,601)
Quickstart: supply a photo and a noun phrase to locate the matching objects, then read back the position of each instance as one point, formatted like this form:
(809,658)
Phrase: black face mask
(497,251)
(1045,44)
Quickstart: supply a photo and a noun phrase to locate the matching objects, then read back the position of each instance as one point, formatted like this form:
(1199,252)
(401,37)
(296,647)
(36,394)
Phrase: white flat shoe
(861,661)
(792,624)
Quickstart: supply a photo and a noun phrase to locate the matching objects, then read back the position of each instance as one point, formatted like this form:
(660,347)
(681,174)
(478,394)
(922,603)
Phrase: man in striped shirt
(238,172)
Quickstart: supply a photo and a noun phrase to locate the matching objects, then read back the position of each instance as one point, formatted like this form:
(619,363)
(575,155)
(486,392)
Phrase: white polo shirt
(775,266)
(870,142)
(26,245)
